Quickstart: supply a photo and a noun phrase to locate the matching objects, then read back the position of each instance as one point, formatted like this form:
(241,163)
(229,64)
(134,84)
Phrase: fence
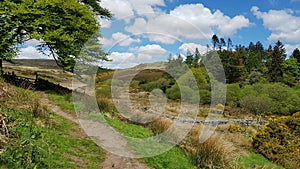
(34,84)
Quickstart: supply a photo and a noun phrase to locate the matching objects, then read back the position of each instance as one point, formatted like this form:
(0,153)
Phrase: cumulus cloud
(149,52)
(290,48)
(189,21)
(31,52)
(137,55)
(126,9)
(121,60)
(192,47)
(282,24)
(153,49)
(121,9)
(118,39)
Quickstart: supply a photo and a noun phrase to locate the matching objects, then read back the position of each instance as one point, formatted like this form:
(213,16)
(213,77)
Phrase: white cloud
(121,9)
(283,25)
(150,52)
(146,8)
(153,49)
(121,60)
(290,48)
(125,9)
(124,40)
(190,21)
(192,47)
(31,52)
(118,39)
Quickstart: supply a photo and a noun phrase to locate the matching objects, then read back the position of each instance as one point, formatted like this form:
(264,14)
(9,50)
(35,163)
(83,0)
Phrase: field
(229,147)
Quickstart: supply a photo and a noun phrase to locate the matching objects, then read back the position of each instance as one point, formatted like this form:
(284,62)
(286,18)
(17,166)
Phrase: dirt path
(111,161)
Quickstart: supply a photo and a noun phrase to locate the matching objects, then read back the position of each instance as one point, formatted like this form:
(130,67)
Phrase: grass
(48,146)
(39,139)
(253,160)
(172,159)
(65,102)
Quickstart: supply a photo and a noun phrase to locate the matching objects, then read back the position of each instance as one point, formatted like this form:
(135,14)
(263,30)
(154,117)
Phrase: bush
(235,128)
(256,104)
(161,83)
(279,141)
(233,95)
(205,96)
(279,98)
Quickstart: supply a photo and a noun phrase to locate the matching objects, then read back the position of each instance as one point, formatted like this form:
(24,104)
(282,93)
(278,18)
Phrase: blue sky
(144,31)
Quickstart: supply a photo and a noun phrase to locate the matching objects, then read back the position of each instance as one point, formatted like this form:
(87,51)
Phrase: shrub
(205,96)
(161,83)
(233,94)
(235,128)
(256,104)
(279,141)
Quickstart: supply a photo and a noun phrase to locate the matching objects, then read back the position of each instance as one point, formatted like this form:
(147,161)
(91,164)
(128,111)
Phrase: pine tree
(275,69)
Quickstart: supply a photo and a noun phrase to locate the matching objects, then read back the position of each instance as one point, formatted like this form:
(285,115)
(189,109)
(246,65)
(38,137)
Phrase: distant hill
(40,63)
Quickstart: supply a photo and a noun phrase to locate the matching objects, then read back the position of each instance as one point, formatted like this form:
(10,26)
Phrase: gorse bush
(279,141)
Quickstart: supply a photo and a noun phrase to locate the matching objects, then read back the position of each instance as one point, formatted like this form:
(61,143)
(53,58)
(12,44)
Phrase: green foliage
(254,77)
(233,94)
(256,104)
(64,102)
(277,97)
(275,69)
(279,141)
(161,83)
(205,96)
(291,67)
(296,55)
(33,144)
(253,160)
(62,26)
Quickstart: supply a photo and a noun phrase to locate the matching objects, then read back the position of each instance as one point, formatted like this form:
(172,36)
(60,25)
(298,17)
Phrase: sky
(145,31)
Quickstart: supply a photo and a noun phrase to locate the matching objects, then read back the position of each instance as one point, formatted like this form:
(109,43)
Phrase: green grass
(253,160)
(297,88)
(33,144)
(172,159)
(65,102)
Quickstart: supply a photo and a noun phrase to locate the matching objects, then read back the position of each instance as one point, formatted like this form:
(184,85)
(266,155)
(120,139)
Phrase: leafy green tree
(275,70)
(296,54)
(290,67)
(63,27)
(196,58)
(189,58)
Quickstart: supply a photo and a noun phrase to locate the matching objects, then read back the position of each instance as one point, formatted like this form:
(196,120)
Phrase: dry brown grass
(215,152)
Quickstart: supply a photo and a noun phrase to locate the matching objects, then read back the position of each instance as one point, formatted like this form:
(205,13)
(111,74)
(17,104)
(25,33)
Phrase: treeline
(254,63)
(257,79)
